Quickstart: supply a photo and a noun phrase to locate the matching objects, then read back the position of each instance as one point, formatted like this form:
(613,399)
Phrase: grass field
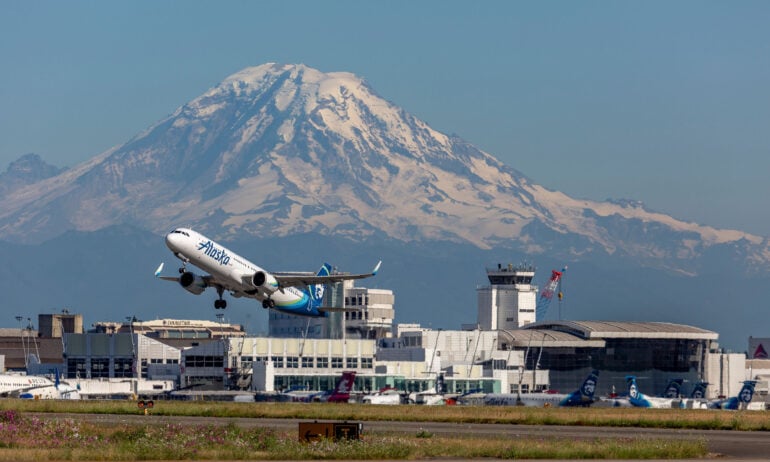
(23,436)
(616,417)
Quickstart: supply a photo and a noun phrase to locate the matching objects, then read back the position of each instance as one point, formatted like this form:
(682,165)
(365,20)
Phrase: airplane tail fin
(588,388)
(747,392)
(699,391)
(316,291)
(633,390)
(672,388)
(584,395)
(341,392)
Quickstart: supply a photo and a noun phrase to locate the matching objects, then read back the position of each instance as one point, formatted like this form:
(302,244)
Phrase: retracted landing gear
(220,303)
(268,303)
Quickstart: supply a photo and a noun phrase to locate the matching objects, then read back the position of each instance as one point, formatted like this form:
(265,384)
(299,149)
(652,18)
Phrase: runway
(742,445)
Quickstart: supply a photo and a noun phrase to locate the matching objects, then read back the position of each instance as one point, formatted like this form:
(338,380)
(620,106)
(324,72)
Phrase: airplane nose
(172,241)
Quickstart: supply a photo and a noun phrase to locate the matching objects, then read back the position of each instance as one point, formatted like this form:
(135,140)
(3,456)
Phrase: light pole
(21,336)
(130,321)
(225,358)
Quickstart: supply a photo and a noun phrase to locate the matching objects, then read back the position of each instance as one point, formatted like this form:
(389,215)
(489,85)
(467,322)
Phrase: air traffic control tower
(510,300)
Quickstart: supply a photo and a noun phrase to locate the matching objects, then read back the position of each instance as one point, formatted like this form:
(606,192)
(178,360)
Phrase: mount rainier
(278,150)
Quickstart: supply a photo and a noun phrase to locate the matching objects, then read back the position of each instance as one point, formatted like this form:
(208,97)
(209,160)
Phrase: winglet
(376,268)
(158,271)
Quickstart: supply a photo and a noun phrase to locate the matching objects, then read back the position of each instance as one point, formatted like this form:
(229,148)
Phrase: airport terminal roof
(625,329)
(521,338)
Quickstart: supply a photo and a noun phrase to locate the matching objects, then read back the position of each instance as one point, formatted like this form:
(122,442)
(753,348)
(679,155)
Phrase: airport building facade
(553,355)
(504,351)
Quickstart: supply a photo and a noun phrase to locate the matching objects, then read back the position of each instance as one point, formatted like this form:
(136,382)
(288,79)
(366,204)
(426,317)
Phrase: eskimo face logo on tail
(219,255)
(589,387)
(319,292)
(747,393)
(632,391)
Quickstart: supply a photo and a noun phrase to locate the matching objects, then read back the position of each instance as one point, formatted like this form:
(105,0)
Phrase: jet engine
(264,281)
(192,283)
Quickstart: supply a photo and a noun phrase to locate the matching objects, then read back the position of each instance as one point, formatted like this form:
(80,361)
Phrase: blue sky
(659,101)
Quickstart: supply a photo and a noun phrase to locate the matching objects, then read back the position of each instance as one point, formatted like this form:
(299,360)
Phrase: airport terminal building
(503,352)
(553,355)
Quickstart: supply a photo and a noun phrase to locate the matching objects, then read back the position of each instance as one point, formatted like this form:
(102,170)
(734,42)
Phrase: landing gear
(185,260)
(220,304)
(268,303)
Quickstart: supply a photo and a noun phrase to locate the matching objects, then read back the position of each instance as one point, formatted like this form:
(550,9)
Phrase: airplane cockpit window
(179,231)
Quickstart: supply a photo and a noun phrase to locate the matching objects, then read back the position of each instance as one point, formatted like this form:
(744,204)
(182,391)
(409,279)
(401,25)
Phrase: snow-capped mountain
(277,150)
(28,169)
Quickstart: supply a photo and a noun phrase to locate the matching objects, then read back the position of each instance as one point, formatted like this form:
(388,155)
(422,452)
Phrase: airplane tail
(634,397)
(699,391)
(747,392)
(584,395)
(316,291)
(588,388)
(341,392)
(673,388)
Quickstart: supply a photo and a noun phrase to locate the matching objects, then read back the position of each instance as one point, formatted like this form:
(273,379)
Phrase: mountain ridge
(276,150)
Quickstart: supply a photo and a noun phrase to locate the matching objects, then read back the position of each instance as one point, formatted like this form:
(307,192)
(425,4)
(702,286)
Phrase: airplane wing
(306,279)
(210,281)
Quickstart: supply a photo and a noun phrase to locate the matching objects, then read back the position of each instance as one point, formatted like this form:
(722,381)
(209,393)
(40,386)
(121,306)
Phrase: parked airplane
(15,384)
(341,392)
(56,390)
(670,398)
(736,402)
(697,398)
(583,396)
(386,395)
(294,293)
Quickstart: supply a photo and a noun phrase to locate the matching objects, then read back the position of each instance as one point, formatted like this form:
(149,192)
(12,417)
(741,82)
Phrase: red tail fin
(344,386)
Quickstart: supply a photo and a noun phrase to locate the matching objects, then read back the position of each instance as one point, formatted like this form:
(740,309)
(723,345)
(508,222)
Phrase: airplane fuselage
(233,273)
(15,383)
(534,399)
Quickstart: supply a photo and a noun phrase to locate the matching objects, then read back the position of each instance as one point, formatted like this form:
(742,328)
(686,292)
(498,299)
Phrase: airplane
(736,402)
(14,384)
(341,391)
(697,398)
(670,398)
(57,390)
(583,396)
(385,395)
(297,293)
(433,396)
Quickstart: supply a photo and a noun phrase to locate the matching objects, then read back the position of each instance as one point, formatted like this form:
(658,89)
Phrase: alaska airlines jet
(583,396)
(670,398)
(294,293)
(737,402)
(697,399)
